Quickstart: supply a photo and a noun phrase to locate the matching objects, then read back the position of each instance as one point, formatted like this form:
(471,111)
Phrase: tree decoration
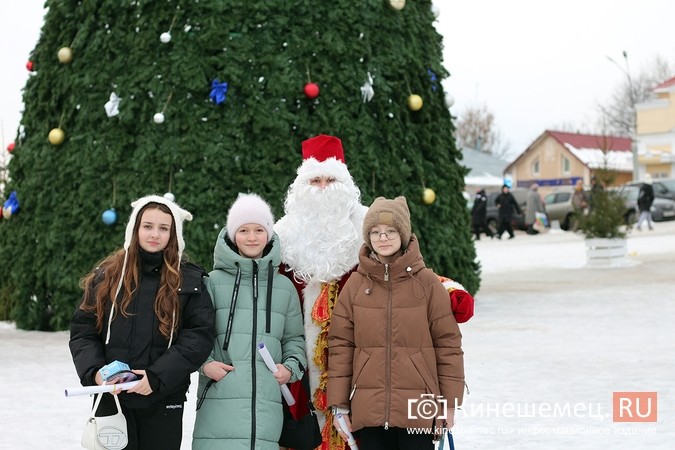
(109,216)
(367,91)
(65,55)
(29,66)
(218,93)
(159,118)
(170,197)
(449,100)
(311,89)
(415,102)
(434,79)
(11,206)
(165,37)
(57,136)
(428,196)
(10,147)
(435,10)
(112,106)
(397,4)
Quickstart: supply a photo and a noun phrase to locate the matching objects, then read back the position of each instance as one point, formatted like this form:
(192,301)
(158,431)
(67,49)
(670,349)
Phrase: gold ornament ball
(397,4)
(415,102)
(57,136)
(65,55)
(429,196)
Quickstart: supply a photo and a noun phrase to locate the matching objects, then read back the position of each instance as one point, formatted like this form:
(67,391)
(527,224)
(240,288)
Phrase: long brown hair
(100,284)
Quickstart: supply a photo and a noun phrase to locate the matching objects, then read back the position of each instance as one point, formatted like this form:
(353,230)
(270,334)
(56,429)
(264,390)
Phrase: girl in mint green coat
(239,398)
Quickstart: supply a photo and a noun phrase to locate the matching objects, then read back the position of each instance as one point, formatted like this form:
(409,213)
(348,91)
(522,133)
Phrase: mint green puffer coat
(243,410)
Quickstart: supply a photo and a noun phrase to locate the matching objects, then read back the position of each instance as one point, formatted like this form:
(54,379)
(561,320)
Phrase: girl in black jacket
(144,307)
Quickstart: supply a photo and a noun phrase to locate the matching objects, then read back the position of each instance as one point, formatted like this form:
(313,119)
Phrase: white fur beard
(321,233)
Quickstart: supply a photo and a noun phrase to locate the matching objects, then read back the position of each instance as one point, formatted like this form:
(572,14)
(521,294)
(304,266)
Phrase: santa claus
(321,233)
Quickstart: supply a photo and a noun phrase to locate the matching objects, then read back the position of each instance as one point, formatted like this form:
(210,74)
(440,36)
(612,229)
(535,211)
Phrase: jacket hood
(225,256)
(411,258)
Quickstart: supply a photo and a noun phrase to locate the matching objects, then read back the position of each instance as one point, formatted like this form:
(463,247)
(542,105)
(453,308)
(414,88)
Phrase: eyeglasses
(377,235)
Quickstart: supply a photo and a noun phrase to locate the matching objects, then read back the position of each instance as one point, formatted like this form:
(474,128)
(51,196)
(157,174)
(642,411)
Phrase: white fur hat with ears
(179,216)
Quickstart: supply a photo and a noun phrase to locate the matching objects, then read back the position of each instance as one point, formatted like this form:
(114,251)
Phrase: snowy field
(551,340)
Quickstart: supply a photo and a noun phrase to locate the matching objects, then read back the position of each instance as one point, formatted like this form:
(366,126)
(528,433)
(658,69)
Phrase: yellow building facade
(655,127)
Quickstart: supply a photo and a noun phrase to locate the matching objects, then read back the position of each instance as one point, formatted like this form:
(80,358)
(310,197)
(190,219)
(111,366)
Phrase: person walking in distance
(506,205)
(534,205)
(479,214)
(645,201)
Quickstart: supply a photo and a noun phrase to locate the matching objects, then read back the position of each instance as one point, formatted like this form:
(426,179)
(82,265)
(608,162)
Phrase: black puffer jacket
(136,339)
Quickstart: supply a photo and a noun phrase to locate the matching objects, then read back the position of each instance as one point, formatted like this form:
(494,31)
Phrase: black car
(663,187)
(662,208)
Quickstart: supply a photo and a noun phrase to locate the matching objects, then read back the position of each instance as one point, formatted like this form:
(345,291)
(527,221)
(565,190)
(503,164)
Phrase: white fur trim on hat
(179,216)
(311,168)
(250,208)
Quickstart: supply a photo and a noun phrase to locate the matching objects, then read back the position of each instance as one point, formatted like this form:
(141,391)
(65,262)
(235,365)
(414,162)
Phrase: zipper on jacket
(254,350)
(387,398)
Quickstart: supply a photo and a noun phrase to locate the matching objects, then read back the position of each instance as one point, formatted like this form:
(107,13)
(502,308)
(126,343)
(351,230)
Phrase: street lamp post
(633,101)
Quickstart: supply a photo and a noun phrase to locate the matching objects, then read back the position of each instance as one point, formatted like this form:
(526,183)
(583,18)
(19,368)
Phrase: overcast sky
(536,64)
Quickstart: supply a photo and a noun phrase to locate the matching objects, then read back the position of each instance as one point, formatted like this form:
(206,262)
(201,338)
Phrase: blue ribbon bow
(11,205)
(218,91)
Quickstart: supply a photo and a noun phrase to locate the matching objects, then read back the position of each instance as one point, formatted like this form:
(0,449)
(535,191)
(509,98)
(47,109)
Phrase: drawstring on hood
(179,216)
(409,271)
(268,309)
(230,317)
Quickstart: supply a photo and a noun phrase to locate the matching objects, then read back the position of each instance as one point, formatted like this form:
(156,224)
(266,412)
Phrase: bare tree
(476,129)
(617,114)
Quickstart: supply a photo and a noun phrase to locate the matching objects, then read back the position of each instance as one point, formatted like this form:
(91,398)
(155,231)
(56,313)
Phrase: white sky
(536,64)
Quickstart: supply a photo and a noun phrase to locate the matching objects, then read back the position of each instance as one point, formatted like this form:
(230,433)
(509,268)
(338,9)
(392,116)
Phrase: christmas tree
(205,99)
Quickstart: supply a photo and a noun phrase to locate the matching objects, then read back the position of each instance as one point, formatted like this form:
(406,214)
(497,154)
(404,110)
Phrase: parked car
(559,206)
(662,208)
(663,187)
(492,216)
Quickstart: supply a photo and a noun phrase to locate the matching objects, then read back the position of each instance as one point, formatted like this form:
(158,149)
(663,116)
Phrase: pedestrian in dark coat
(479,215)
(645,201)
(507,205)
(145,307)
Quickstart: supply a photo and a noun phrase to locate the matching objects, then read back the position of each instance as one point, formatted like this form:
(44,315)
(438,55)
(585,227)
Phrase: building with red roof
(558,158)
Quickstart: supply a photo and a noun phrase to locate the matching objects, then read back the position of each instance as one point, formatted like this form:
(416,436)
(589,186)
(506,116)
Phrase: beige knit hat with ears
(394,213)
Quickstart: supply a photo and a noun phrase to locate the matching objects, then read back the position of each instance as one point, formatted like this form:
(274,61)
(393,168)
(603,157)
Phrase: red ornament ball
(311,91)
(29,66)
(10,147)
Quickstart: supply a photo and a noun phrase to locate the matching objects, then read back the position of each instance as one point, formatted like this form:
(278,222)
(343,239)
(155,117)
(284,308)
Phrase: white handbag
(105,433)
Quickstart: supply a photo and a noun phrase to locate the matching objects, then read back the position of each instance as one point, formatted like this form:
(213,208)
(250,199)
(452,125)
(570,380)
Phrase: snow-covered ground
(551,340)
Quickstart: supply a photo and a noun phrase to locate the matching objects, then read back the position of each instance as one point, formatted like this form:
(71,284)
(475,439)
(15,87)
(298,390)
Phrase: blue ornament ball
(109,216)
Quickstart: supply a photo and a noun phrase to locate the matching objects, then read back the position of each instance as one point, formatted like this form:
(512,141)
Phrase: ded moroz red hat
(322,147)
